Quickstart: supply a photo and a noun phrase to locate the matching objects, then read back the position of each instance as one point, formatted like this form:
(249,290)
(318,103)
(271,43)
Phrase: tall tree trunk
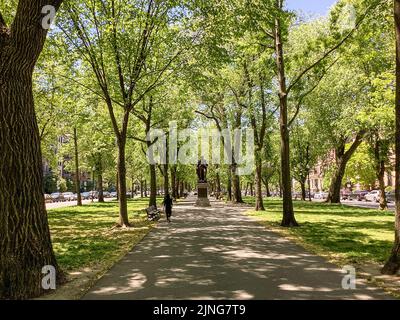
(217,186)
(117,185)
(259,198)
(177,188)
(236,192)
(25,244)
(336,183)
(122,190)
(303,190)
(100,188)
(77,174)
(381,178)
(266,185)
(132,188)
(380,171)
(181,189)
(393,264)
(173,181)
(288,219)
(229,186)
(145,188)
(342,158)
(166,179)
(153,186)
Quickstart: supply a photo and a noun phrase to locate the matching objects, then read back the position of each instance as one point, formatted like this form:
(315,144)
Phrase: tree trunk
(393,264)
(25,244)
(132,188)
(122,190)
(381,177)
(342,158)
(236,192)
(181,189)
(145,188)
(166,179)
(259,198)
(266,185)
(380,171)
(77,175)
(336,183)
(141,189)
(177,188)
(153,186)
(173,181)
(217,186)
(303,190)
(100,188)
(117,185)
(288,219)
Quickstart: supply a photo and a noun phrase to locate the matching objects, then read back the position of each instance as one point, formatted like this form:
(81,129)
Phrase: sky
(320,7)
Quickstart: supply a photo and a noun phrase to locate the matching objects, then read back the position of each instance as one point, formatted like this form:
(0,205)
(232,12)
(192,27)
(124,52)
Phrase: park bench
(153,214)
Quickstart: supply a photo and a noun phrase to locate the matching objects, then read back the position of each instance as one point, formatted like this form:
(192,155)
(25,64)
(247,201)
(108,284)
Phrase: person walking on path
(168,206)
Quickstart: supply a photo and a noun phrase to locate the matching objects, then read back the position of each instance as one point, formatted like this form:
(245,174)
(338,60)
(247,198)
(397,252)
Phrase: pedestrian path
(220,253)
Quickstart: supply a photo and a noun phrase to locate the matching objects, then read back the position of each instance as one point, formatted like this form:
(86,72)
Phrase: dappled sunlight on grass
(83,236)
(349,234)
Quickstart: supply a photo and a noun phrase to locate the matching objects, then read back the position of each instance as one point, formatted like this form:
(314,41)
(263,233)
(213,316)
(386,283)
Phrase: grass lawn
(83,236)
(342,233)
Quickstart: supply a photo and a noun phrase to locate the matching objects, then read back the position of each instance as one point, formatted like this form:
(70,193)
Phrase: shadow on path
(219,253)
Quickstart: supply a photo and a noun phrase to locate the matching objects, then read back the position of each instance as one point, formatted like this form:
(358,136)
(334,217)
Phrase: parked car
(321,195)
(94,194)
(48,198)
(113,194)
(106,194)
(57,197)
(346,195)
(85,195)
(373,196)
(390,196)
(359,195)
(69,196)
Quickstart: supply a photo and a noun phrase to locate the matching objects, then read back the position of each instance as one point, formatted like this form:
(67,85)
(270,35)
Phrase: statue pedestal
(202,195)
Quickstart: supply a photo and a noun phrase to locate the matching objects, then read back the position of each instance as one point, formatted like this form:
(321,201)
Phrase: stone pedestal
(202,195)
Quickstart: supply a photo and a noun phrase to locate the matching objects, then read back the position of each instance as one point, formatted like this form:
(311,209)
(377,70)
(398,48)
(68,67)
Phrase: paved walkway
(219,253)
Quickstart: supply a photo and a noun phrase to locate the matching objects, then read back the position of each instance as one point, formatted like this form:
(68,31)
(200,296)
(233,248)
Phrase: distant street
(369,205)
(71,203)
(362,204)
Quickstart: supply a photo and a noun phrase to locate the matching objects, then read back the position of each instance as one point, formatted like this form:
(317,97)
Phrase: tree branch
(330,51)
(357,141)
(309,92)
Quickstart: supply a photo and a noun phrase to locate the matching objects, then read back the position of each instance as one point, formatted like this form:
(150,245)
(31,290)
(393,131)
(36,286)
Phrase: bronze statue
(202,170)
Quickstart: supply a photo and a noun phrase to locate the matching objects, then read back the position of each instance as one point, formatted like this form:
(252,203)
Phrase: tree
(303,154)
(393,263)
(119,41)
(25,244)
(273,34)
